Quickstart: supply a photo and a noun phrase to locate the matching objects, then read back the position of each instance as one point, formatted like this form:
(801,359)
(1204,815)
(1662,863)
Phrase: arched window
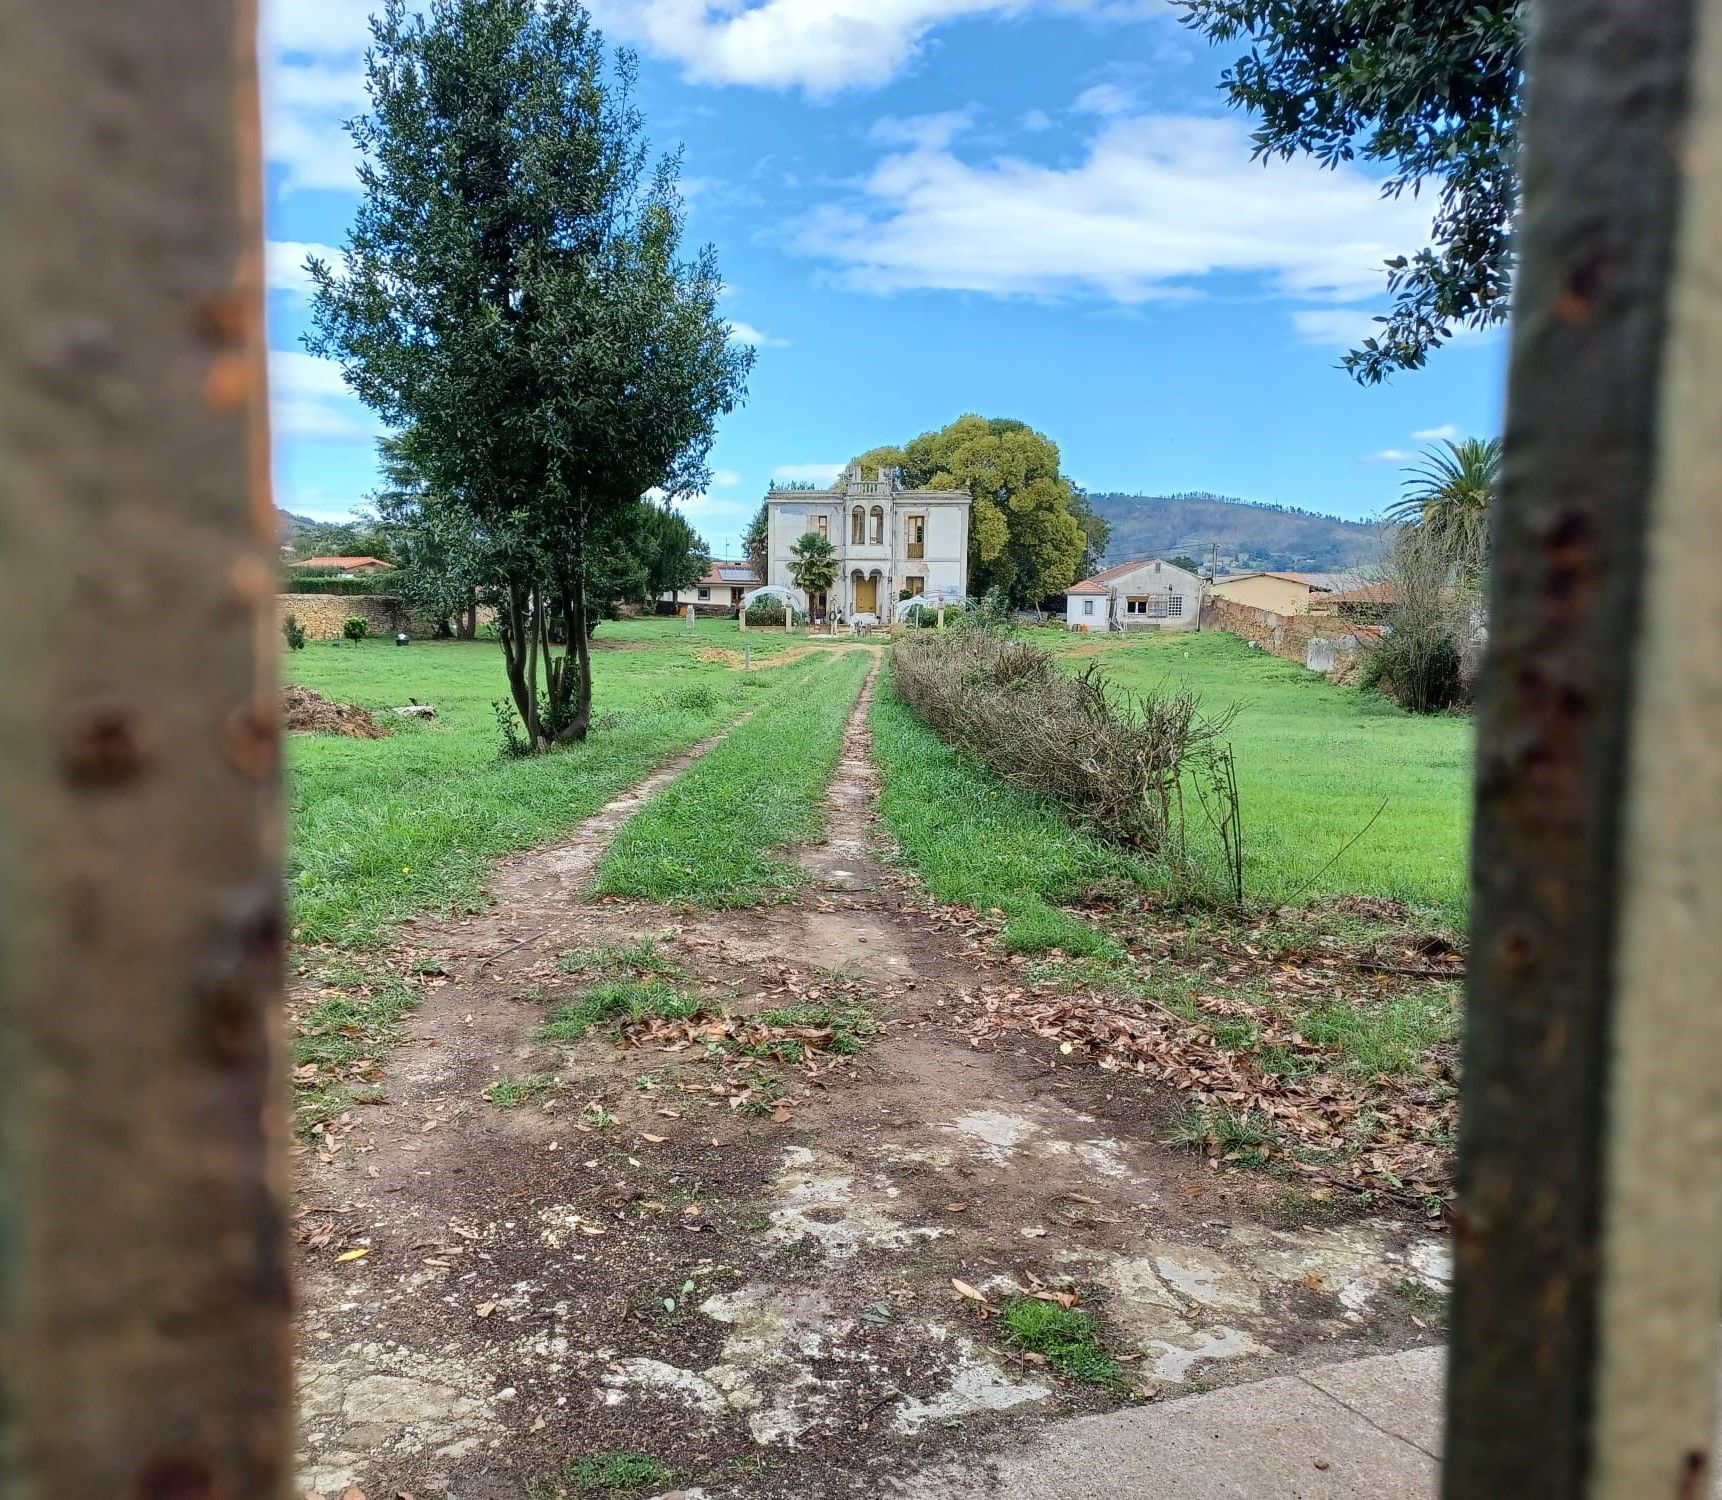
(878,536)
(857,526)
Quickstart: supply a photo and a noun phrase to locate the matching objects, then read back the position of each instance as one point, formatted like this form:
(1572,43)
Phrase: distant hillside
(309,538)
(1247,535)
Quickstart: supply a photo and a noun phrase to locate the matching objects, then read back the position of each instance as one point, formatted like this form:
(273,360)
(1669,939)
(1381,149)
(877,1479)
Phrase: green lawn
(382,828)
(977,841)
(713,835)
(1315,762)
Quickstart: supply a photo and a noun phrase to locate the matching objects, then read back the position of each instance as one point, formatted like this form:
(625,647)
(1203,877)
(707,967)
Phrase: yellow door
(866,596)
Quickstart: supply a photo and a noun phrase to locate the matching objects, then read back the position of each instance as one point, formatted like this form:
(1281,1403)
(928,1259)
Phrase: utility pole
(144,1309)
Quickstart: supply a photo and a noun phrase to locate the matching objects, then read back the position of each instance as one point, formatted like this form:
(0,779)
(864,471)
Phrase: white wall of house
(878,557)
(1153,596)
(1085,611)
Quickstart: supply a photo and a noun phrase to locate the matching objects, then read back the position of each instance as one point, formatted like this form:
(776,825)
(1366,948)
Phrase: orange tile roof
(342,562)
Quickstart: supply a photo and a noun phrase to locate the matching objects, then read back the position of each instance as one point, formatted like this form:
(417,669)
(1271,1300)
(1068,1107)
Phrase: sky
(1040,209)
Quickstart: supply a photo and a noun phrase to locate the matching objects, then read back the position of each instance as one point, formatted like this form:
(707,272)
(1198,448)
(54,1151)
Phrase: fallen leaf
(358,1254)
(1313,1280)
(1033,1232)
(352,1492)
(1081,1198)
(485,1309)
(956,1208)
(1034,1359)
(965,1290)
(781,1116)
(656,1140)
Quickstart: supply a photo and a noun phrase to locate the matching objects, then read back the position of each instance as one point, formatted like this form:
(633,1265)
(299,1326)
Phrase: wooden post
(144,1307)
(1586,1304)
(741,614)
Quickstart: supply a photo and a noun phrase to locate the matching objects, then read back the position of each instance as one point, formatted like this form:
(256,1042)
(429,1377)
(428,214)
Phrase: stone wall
(322,615)
(1322,644)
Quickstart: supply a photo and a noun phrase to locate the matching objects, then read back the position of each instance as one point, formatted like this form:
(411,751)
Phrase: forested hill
(1247,535)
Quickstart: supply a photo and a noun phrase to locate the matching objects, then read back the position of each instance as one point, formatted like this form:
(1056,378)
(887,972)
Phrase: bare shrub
(1121,764)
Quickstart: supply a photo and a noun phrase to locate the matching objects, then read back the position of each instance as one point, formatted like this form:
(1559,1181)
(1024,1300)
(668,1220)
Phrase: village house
(1280,593)
(719,589)
(889,542)
(1147,594)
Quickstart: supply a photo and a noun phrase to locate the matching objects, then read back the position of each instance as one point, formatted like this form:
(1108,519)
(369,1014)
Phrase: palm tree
(1449,496)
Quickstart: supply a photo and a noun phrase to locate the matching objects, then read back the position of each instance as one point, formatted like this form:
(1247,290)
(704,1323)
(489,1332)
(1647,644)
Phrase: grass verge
(384,828)
(712,836)
(340,1039)
(1316,763)
(986,845)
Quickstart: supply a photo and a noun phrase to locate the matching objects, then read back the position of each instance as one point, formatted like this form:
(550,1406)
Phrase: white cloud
(309,400)
(928,132)
(1035,120)
(1388,456)
(746,333)
(1335,327)
(284,264)
(803,473)
(1105,99)
(313,79)
(822,46)
(1447,432)
(1158,203)
(726,479)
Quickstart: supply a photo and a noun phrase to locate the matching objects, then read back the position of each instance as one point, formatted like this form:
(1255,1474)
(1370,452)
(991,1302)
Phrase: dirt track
(763,1302)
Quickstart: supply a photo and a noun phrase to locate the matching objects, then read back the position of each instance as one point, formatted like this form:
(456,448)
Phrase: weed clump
(1065,1337)
(618,1000)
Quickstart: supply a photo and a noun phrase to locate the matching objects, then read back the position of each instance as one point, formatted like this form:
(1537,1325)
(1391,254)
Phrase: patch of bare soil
(761,1299)
(309,712)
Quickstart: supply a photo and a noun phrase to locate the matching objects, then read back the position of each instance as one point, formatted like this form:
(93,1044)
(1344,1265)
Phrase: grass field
(382,828)
(712,836)
(982,843)
(1315,762)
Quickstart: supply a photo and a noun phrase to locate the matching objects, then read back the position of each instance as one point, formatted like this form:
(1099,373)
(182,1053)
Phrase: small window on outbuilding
(1088,606)
(705,594)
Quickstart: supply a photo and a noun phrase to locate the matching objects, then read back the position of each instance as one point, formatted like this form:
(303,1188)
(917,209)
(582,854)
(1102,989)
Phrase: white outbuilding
(1147,594)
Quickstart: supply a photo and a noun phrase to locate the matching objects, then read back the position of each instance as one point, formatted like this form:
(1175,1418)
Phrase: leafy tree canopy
(513,299)
(1432,88)
(1026,527)
(1448,498)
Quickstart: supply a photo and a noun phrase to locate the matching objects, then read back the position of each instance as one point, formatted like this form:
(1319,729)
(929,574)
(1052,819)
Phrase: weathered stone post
(144,1303)
(1590,1183)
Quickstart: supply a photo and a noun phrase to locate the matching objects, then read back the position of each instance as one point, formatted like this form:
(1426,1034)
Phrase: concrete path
(1365,1428)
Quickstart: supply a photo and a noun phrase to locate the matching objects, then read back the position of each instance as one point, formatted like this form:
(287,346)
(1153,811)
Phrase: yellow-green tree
(1025,535)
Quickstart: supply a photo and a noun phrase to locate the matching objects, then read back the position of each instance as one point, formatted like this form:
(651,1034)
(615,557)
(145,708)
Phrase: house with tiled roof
(719,589)
(347,566)
(1280,593)
(1147,594)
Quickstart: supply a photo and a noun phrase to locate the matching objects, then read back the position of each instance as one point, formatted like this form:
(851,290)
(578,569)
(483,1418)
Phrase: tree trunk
(144,1299)
(577,664)
(519,656)
(468,626)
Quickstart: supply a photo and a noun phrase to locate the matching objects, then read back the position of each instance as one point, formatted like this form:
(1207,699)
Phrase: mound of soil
(309,712)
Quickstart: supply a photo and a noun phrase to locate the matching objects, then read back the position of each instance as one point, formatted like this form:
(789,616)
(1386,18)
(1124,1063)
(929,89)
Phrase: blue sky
(1029,208)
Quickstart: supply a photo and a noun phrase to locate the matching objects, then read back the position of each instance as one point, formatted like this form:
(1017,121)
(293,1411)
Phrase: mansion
(889,542)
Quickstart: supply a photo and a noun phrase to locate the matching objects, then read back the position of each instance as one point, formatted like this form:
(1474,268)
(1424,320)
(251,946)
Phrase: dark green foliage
(1432,88)
(515,302)
(294,633)
(1066,1337)
(766,611)
(1417,664)
(813,563)
(355,627)
(371,586)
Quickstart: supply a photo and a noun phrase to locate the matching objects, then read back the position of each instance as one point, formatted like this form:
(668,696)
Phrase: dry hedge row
(1121,764)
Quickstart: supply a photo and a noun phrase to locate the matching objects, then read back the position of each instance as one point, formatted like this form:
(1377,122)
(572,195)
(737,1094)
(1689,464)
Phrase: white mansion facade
(887,539)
